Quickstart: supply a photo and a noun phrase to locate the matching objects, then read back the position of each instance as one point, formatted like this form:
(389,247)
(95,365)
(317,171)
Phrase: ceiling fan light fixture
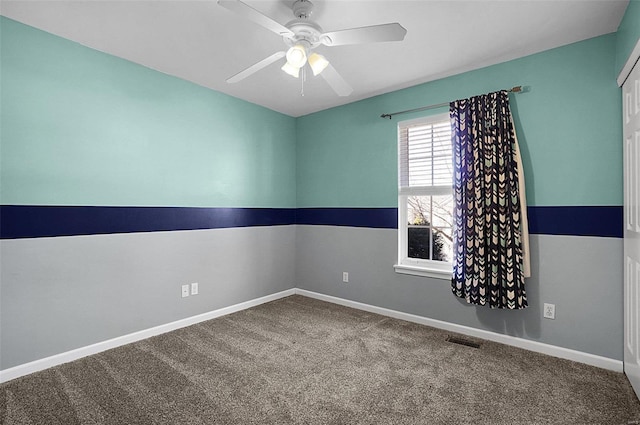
(291,70)
(302,35)
(317,63)
(297,56)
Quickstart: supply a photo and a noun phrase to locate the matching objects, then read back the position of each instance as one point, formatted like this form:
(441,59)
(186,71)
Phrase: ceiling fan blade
(256,67)
(250,13)
(335,80)
(372,34)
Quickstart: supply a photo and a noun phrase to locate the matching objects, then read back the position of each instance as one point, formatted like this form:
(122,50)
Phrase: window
(425,197)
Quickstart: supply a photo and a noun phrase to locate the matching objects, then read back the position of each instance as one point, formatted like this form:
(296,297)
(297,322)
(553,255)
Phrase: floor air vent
(462,341)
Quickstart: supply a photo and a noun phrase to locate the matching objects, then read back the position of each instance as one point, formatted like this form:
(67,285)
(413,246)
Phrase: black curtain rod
(516,89)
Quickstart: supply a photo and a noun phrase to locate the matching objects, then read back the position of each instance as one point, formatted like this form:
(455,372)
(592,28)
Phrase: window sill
(422,271)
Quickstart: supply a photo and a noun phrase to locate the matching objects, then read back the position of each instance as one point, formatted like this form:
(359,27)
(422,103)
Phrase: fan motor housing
(304,30)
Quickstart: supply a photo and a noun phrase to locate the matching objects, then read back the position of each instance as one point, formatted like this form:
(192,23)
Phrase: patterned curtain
(488,265)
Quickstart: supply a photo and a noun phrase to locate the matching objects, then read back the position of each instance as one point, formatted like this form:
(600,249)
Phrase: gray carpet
(302,361)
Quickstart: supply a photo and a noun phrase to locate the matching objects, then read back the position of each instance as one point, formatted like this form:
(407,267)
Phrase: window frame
(416,266)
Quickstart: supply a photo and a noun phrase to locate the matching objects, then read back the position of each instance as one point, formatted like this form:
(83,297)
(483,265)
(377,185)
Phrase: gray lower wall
(582,276)
(58,294)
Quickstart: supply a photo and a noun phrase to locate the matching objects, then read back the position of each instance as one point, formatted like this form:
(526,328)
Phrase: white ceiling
(202,42)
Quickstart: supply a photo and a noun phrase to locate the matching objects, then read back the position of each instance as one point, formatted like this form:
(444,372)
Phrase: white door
(631,125)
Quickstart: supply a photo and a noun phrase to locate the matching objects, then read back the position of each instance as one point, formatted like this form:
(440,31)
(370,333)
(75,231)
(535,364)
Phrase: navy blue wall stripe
(605,221)
(26,221)
(380,218)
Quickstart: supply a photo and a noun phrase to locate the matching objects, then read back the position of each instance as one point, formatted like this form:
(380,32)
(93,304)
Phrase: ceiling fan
(302,36)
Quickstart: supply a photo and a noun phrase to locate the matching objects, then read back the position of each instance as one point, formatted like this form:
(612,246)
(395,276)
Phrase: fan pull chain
(304,76)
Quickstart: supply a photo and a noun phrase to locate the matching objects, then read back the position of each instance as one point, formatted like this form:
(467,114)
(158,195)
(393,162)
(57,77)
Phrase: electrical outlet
(185,290)
(345,277)
(549,311)
(194,288)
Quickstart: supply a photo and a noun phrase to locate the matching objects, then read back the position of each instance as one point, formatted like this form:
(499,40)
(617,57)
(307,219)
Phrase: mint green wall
(628,34)
(566,125)
(81,127)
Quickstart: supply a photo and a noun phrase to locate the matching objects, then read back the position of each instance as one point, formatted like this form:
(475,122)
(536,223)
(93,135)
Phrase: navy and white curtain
(490,234)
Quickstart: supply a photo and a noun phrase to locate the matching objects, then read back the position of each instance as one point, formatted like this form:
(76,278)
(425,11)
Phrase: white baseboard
(527,344)
(58,359)
(552,350)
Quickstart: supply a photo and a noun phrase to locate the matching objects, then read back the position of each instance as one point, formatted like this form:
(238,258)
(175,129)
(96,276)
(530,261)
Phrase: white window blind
(425,154)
